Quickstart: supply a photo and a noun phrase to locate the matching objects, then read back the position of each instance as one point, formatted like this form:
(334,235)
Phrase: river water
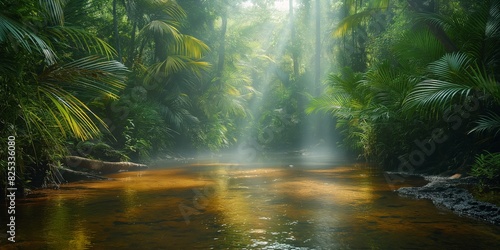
(259,206)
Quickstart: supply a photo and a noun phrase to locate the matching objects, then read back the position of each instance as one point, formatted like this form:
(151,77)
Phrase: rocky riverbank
(450,193)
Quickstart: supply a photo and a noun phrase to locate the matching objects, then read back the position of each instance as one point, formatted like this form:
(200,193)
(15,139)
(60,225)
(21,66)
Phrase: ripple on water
(258,231)
(259,243)
(281,246)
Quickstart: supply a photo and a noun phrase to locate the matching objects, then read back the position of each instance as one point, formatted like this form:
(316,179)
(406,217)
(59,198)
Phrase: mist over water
(303,205)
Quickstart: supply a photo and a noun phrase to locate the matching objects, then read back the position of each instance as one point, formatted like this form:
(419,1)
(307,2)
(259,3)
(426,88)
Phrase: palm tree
(57,83)
(346,98)
(45,88)
(354,29)
(155,35)
(167,66)
(425,88)
(470,74)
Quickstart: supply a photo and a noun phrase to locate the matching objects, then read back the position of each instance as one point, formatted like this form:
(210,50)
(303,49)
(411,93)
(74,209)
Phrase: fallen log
(105,167)
(71,175)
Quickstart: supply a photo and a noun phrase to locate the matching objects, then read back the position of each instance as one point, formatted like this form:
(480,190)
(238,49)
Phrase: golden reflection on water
(62,229)
(81,240)
(234,207)
(254,201)
(130,202)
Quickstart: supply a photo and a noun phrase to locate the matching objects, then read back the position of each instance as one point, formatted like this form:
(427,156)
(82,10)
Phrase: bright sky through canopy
(280,5)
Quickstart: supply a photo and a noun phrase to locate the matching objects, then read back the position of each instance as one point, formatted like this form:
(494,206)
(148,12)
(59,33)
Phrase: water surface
(224,206)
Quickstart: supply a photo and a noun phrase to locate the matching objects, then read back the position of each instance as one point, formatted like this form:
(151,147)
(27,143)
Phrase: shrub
(487,165)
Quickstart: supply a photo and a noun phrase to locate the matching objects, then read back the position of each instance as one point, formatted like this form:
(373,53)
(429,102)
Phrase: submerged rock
(446,192)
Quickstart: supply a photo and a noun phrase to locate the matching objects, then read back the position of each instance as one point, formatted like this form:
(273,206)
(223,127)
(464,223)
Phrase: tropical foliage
(487,165)
(50,73)
(430,96)
(408,83)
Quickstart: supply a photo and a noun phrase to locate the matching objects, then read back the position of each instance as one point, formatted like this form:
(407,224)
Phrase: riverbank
(453,194)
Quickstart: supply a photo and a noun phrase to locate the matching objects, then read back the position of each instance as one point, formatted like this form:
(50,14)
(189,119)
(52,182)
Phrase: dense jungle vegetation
(409,85)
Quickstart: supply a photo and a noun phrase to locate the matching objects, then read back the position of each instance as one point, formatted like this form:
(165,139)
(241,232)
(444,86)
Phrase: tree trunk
(295,56)
(131,53)
(101,166)
(317,64)
(70,175)
(160,48)
(222,46)
(116,34)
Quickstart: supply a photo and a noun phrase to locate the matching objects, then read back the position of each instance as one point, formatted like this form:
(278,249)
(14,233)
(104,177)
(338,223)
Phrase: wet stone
(445,193)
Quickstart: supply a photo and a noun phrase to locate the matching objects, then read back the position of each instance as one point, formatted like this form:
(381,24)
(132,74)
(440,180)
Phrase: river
(225,206)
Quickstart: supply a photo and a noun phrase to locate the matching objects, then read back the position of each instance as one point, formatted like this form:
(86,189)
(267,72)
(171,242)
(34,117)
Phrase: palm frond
(493,23)
(436,93)
(445,22)
(80,39)
(69,112)
(347,80)
(345,97)
(388,86)
(227,96)
(16,34)
(171,65)
(449,81)
(485,82)
(491,50)
(419,47)
(162,28)
(90,76)
(37,124)
(54,10)
(487,123)
(379,4)
(451,67)
(168,9)
(352,21)
(172,9)
(189,46)
(327,103)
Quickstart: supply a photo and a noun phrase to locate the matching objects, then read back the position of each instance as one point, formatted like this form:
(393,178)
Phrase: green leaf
(487,123)
(81,39)
(16,34)
(90,76)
